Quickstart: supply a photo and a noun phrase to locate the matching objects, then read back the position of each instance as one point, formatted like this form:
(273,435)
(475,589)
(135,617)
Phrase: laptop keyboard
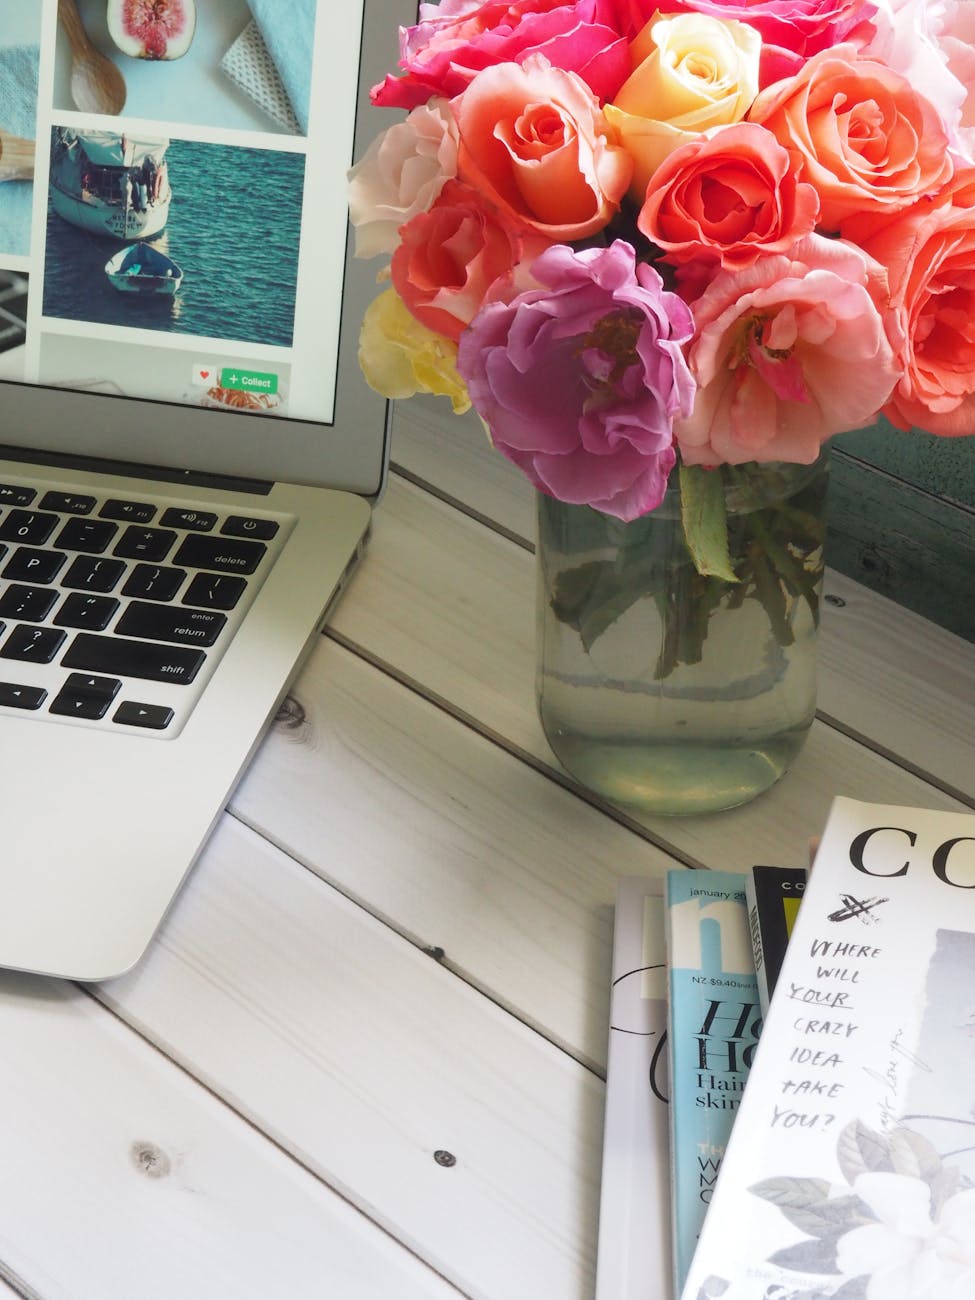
(114,611)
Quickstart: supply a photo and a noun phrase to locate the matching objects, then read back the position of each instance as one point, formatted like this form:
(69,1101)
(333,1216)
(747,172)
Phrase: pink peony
(788,352)
(579,380)
(456,39)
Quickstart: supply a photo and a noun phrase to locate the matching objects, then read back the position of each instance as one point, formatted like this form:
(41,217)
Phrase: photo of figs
(239,65)
(152,29)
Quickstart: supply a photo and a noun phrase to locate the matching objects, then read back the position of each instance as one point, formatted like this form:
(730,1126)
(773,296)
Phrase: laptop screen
(177,230)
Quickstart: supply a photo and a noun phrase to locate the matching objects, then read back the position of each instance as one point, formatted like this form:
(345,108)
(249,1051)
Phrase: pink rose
(580,379)
(400,174)
(786,353)
(534,141)
(791,30)
(857,132)
(730,197)
(928,251)
(449,257)
(456,39)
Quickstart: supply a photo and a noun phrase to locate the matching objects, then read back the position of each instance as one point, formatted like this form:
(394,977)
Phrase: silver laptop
(189,454)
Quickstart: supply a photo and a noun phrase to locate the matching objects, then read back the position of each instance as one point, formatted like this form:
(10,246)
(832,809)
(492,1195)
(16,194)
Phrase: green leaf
(705,522)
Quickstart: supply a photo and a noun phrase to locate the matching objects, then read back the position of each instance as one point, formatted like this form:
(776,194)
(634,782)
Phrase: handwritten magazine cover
(850,1173)
(713,1027)
(633,1255)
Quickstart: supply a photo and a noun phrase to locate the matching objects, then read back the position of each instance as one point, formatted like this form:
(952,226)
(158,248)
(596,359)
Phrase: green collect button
(248,381)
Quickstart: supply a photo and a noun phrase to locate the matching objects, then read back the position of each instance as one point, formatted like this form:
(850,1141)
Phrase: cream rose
(400,357)
(691,72)
(400,175)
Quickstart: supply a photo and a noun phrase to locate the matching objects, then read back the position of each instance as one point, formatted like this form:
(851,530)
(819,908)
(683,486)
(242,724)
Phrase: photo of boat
(111,185)
(140,268)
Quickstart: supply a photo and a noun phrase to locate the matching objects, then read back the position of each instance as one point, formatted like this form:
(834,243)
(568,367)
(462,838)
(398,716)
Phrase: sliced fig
(152,29)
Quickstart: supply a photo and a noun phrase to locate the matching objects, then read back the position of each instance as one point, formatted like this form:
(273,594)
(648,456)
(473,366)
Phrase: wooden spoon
(97,86)
(16,158)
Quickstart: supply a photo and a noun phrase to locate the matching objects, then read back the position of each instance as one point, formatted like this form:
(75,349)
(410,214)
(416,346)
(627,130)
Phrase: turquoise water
(233,228)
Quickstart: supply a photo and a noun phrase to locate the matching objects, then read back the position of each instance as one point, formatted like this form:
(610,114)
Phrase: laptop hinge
(126,469)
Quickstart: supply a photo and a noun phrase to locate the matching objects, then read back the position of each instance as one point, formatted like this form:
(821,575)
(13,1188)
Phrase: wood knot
(291,714)
(150,1159)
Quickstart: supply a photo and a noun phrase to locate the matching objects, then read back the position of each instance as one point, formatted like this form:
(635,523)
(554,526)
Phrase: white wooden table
(365,1055)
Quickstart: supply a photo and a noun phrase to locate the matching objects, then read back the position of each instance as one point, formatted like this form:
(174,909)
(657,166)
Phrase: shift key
(145,659)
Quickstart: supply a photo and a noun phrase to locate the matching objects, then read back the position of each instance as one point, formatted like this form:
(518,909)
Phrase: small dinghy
(140,268)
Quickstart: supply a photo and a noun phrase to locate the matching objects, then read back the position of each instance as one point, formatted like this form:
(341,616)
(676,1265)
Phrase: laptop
(189,453)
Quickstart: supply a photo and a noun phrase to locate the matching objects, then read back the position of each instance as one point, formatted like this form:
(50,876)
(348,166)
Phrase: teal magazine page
(633,1256)
(713,1028)
(850,1174)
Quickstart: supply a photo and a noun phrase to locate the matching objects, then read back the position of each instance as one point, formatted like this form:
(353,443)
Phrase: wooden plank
(123,1177)
(365,1057)
(450,840)
(903,543)
(928,710)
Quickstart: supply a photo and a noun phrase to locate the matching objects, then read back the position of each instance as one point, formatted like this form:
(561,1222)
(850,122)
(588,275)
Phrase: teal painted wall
(902,520)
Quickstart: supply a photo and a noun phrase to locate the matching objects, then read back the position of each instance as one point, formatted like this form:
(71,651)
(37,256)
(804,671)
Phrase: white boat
(140,268)
(107,184)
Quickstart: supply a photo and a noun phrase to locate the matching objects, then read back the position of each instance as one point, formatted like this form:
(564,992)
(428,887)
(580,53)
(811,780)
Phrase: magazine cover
(633,1255)
(713,1027)
(850,1174)
(774,895)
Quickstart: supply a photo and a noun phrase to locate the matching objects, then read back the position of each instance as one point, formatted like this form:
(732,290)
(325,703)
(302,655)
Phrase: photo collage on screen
(158,208)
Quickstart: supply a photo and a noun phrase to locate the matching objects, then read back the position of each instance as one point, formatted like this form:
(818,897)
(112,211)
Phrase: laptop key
(167,623)
(91,535)
(134,512)
(29,604)
(248,526)
(215,590)
(30,565)
(84,696)
(225,554)
(15,696)
(117,657)
(150,582)
(196,521)
(93,573)
(145,543)
(34,645)
(131,713)
(27,526)
(69,503)
(83,610)
(12,494)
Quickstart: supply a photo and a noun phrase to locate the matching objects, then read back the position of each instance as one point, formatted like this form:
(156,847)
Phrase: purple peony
(580,381)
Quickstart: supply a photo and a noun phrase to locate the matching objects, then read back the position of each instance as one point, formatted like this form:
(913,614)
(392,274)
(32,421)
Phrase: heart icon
(204,374)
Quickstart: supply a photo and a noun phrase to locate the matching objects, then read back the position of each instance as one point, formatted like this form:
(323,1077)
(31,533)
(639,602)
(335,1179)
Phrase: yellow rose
(691,72)
(400,357)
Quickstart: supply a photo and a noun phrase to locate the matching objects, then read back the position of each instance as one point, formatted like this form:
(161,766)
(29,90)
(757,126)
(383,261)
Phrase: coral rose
(690,73)
(400,174)
(580,379)
(730,196)
(929,253)
(456,39)
(858,133)
(449,257)
(400,357)
(786,353)
(533,139)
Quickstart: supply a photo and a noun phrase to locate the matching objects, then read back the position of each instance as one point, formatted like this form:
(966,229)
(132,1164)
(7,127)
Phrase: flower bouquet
(674,247)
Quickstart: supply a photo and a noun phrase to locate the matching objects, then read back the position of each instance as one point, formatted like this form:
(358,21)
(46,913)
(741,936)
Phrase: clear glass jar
(674,692)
